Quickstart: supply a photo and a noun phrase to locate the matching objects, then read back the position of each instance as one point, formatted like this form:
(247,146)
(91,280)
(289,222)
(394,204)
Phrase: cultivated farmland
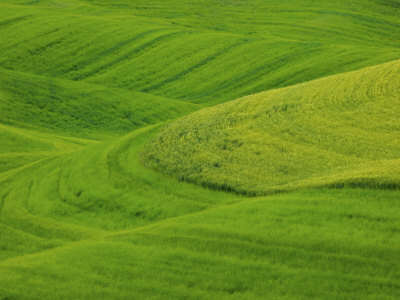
(204,149)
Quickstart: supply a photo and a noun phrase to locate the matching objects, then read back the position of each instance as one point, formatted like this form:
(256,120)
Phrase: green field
(203,149)
(339,130)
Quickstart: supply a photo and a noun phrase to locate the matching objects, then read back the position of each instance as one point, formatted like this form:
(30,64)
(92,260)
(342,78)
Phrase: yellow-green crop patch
(133,133)
(339,130)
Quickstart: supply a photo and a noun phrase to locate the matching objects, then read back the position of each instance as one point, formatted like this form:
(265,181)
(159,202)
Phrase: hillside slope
(342,129)
(95,224)
(86,88)
(19,147)
(204,51)
(79,109)
(310,245)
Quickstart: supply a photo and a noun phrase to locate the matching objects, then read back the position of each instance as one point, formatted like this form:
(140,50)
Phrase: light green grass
(138,234)
(79,109)
(339,130)
(101,186)
(203,52)
(21,146)
(87,86)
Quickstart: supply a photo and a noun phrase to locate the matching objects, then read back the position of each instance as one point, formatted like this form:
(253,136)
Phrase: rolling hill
(204,52)
(143,145)
(339,130)
(96,224)
(79,109)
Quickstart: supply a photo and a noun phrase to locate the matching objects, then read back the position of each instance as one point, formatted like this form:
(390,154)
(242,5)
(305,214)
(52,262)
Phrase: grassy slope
(342,129)
(93,236)
(201,52)
(80,109)
(101,185)
(20,146)
(81,218)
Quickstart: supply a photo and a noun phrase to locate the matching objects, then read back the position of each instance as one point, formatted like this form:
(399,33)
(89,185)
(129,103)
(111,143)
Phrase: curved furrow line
(11,21)
(132,53)
(108,51)
(237,81)
(97,189)
(193,67)
(32,38)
